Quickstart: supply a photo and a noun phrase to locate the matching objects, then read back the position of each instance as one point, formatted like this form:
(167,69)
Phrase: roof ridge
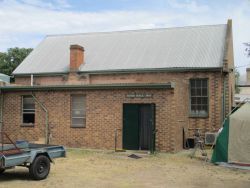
(133,30)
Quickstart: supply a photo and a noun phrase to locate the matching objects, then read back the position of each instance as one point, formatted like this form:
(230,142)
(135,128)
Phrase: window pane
(28,106)
(77,113)
(198,92)
(204,100)
(28,118)
(204,91)
(28,102)
(198,100)
(193,100)
(77,105)
(204,83)
(78,122)
(198,83)
(198,107)
(78,98)
(78,102)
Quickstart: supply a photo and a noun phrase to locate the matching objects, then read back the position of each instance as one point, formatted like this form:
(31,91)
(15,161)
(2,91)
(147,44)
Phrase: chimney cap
(76,46)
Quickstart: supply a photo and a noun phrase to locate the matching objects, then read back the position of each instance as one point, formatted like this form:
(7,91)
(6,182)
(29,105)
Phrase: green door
(130,126)
(139,127)
(145,126)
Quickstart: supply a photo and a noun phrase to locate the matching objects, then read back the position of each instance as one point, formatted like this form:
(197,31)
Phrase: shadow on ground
(15,175)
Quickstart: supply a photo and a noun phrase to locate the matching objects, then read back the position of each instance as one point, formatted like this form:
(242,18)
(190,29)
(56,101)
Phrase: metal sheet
(4,78)
(184,47)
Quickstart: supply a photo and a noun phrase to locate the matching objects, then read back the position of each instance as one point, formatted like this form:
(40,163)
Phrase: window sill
(77,127)
(27,125)
(198,116)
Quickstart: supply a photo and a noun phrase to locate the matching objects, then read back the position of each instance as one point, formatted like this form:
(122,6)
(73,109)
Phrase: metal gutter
(123,71)
(42,74)
(169,85)
(247,85)
(151,70)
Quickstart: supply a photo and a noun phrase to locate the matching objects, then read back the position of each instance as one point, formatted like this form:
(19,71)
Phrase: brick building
(146,88)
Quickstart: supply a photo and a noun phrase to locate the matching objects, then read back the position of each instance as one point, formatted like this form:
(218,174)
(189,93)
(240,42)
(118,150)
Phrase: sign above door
(139,95)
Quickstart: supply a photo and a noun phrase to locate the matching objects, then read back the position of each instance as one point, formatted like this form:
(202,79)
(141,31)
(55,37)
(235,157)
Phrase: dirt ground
(84,168)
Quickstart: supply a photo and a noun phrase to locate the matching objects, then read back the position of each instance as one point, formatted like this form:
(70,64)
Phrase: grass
(106,168)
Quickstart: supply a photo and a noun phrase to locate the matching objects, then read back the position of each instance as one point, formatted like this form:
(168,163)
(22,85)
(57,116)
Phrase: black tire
(2,170)
(40,167)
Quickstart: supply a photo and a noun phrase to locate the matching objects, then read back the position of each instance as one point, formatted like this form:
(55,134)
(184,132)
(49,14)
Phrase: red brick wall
(103,116)
(48,80)
(104,111)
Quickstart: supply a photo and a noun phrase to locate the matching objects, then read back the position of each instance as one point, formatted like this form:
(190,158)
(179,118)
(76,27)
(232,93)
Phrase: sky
(25,23)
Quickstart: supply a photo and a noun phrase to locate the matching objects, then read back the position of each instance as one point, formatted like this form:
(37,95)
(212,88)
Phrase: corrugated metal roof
(4,78)
(242,97)
(184,47)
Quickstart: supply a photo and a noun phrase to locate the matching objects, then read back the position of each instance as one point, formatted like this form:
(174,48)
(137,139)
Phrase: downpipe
(1,111)
(46,118)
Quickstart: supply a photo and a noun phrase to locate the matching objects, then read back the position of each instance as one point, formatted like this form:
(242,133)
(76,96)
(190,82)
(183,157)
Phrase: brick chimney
(76,57)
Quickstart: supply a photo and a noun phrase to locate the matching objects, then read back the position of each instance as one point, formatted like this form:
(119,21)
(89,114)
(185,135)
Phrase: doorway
(139,127)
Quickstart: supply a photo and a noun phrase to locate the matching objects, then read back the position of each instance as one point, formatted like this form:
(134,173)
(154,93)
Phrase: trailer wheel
(40,167)
(2,170)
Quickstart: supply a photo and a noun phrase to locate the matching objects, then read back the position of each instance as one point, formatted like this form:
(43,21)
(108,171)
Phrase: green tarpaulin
(220,153)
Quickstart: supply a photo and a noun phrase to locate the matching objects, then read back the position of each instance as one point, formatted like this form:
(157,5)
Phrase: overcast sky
(24,23)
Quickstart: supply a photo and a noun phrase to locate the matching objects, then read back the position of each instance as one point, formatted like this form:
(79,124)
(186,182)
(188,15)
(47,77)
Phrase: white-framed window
(28,110)
(78,111)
